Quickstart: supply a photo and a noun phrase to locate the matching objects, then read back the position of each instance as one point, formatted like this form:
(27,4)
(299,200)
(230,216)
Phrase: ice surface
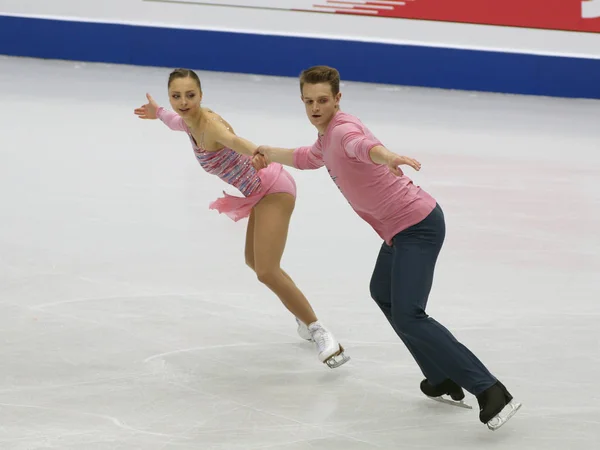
(128,319)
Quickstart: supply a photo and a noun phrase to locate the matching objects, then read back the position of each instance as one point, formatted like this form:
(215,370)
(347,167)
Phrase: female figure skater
(268,198)
(412,226)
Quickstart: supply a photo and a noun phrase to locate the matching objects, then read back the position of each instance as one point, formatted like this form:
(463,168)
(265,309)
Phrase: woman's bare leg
(266,237)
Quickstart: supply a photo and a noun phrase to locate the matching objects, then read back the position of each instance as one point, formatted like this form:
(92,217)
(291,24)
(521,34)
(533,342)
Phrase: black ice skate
(496,406)
(446,387)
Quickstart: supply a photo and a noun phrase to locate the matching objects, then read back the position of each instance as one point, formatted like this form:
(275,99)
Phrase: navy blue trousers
(400,286)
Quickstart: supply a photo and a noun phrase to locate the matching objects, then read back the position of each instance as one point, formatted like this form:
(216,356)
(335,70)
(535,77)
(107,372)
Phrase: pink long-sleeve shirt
(388,203)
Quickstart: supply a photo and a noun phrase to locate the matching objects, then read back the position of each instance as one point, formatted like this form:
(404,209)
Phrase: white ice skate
(303,330)
(506,413)
(330,351)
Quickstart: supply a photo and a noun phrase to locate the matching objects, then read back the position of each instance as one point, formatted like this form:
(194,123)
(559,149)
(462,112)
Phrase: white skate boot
(303,330)
(330,351)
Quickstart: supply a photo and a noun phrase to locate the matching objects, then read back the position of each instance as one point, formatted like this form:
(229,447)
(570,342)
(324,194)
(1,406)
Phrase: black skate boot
(446,387)
(496,406)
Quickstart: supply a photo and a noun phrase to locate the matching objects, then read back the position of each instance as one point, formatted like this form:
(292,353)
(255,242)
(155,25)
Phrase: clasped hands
(260,159)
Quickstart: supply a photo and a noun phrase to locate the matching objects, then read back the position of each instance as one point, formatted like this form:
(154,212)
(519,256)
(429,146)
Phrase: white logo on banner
(347,6)
(590,9)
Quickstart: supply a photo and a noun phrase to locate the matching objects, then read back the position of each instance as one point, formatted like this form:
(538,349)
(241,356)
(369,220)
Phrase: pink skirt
(274,179)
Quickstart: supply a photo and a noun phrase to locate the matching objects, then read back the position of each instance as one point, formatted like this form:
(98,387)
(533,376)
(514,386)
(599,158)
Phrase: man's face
(320,103)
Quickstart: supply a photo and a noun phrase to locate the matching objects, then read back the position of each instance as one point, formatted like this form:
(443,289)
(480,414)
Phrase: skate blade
(460,403)
(337,360)
(508,411)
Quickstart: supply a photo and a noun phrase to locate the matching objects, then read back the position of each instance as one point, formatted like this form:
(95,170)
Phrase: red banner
(571,15)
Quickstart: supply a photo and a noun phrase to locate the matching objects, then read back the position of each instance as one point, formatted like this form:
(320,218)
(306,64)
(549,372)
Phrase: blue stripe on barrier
(413,65)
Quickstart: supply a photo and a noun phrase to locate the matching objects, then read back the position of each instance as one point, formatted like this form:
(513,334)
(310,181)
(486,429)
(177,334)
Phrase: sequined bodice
(230,166)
